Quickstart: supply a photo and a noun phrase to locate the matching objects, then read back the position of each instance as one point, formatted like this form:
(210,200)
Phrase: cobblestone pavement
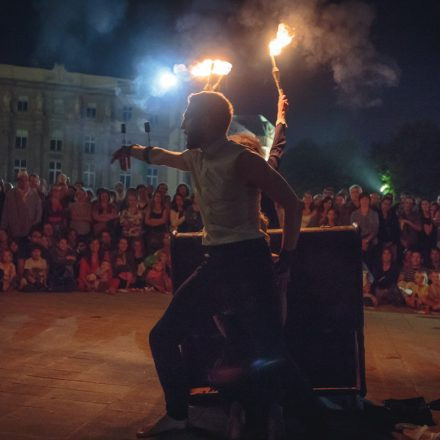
(77,366)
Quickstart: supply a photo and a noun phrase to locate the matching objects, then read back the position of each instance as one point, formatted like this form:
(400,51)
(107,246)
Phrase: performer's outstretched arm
(279,140)
(152,155)
(257,172)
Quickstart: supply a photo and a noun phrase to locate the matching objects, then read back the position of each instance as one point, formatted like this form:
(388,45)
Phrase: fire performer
(237,271)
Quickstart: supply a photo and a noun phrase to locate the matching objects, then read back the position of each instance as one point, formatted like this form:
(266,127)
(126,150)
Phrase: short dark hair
(215,105)
(364,195)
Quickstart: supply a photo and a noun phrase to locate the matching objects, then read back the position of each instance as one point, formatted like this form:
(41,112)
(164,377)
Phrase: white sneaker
(164,425)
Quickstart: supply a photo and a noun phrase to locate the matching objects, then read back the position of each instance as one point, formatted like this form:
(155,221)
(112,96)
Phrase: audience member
(434,259)
(119,199)
(193,218)
(35,272)
(352,205)
(131,218)
(93,274)
(177,213)
(143,197)
(156,217)
(62,272)
(309,212)
(428,233)
(123,265)
(389,231)
(80,213)
(7,266)
(104,212)
(410,224)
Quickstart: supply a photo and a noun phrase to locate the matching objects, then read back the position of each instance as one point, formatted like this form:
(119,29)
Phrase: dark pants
(235,278)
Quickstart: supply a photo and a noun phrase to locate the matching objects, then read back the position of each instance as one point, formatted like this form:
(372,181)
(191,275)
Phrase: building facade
(53,121)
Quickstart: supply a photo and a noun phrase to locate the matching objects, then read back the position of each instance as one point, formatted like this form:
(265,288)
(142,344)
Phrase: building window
(56,142)
(89,175)
(58,106)
(89,145)
(21,139)
(91,111)
(19,165)
(127,113)
(22,104)
(152,177)
(125,178)
(54,170)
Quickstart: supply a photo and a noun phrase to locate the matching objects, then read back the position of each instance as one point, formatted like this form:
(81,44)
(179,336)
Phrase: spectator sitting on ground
(4,239)
(7,266)
(385,276)
(90,263)
(417,291)
(62,273)
(157,276)
(434,259)
(407,274)
(131,218)
(138,257)
(122,265)
(434,290)
(35,272)
(80,213)
(308,218)
(49,235)
(106,244)
(367,281)
(177,213)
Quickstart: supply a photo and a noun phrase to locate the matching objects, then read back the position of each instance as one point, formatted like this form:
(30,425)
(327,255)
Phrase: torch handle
(276,78)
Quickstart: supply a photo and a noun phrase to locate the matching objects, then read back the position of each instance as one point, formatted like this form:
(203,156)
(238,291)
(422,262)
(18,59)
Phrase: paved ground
(76,366)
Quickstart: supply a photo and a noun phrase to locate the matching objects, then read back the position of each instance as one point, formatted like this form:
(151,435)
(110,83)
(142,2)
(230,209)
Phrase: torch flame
(211,67)
(282,40)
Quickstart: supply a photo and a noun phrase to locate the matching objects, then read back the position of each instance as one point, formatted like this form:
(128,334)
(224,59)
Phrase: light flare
(283,39)
(211,67)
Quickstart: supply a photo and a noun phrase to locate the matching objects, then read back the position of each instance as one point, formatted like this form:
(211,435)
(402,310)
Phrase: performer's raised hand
(283,106)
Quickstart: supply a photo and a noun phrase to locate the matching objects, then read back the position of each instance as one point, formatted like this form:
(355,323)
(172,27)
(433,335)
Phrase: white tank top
(230,209)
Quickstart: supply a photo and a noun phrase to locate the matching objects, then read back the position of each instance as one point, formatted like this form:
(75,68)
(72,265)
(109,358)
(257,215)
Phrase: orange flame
(283,39)
(211,67)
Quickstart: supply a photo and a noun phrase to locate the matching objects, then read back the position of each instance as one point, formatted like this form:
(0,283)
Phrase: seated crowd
(400,242)
(120,240)
(71,240)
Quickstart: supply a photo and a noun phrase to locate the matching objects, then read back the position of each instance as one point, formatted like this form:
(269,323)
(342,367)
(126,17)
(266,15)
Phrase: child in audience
(416,291)
(9,271)
(35,272)
(434,290)
(62,273)
(157,276)
(123,265)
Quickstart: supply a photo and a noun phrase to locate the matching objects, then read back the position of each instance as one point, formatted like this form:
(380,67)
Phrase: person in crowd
(143,197)
(72,239)
(375,200)
(7,266)
(352,205)
(156,273)
(410,224)
(434,259)
(433,208)
(309,214)
(367,280)
(80,214)
(13,247)
(55,212)
(35,184)
(331,219)
(119,195)
(177,213)
(62,267)
(106,244)
(131,218)
(48,235)
(368,223)
(93,276)
(434,290)
(62,182)
(321,215)
(35,272)
(36,239)
(408,271)
(328,191)
(339,204)
(157,216)
(90,195)
(138,257)
(428,234)
(385,276)
(2,196)
(104,212)
(162,188)
(4,240)
(122,264)
(183,190)
(236,246)
(389,231)
(21,212)
(193,218)
(416,293)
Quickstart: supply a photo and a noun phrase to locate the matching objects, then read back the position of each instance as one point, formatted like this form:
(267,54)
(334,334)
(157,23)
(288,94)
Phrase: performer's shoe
(164,425)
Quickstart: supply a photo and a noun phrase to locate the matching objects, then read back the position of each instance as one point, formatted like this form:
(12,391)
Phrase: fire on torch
(283,39)
(209,69)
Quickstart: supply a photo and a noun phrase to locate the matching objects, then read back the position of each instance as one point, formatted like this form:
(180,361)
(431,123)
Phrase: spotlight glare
(167,81)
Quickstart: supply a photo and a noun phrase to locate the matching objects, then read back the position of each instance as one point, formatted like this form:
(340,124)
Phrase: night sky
(357,69)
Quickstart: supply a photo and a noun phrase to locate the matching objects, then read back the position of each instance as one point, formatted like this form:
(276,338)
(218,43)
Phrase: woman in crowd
(104,212)
(183,190)
(427,236)
(138,257)
(309,212)
(143,197)
(177,213)
(325,205)
(55,212)
(122,264)
(91,271)
(80,213)
(131,219)
(49,235)
(156,217)
(389,231)
(193,218)
(331,219)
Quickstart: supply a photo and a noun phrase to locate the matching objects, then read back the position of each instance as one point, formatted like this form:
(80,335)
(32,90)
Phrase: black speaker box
(324,327)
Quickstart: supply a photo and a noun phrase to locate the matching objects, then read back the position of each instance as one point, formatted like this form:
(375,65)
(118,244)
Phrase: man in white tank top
(228,179)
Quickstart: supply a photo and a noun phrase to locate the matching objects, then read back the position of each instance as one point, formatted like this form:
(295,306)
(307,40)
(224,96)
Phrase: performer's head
(207,118)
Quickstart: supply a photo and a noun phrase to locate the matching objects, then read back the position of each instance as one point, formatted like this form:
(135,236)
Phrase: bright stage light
(167,81)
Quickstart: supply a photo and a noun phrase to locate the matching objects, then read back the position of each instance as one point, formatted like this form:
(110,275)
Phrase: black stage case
(324,327)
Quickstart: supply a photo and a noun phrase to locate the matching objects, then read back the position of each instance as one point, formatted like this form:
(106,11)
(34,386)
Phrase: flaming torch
(209,69)
(283,39)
